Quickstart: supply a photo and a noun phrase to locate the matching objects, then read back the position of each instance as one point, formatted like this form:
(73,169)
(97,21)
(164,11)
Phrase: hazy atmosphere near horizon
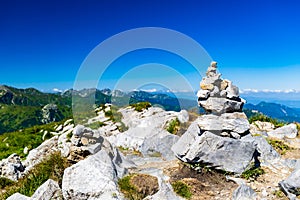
(256,43)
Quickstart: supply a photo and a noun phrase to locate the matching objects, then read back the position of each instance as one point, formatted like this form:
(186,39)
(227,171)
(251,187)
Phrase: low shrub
(173,126)
(182,189)
(138,186)
(4,182)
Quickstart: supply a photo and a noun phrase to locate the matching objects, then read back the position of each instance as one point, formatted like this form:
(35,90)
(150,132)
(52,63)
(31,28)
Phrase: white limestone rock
(288,131)
(236,122)
(92,178)
(18,196)
(221,105)
(48,191)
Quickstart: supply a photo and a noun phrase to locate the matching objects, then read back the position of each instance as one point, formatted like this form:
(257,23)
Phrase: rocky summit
(142,152)
(216,138)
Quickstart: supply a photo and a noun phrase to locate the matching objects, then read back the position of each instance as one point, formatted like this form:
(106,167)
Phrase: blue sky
(256,43)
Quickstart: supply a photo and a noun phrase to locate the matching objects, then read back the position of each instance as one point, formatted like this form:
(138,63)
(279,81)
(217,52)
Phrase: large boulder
(92,178)
(291,185)
(263,126)
(232,155)
(144,125)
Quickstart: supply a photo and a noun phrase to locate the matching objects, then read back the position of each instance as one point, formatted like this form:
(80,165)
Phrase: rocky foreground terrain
(166,155)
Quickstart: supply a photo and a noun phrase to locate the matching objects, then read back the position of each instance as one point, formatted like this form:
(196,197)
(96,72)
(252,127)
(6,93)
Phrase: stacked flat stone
(219,137)
(220,99)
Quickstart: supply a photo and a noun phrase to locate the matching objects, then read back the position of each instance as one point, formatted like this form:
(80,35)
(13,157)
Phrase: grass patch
(155,154)
(173,126)
(252,173)
(182,189)
(51,168)
(95,125)
(279,146)
(264,118)
(138,186)
(126,151)
(15,142)
(139,107)
(116,117)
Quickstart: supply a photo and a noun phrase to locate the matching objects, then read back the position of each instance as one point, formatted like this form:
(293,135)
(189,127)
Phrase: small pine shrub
(173,126)
(126,188)
(182,189)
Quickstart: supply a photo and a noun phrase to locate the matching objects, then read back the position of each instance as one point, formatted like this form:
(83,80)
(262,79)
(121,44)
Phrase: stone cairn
(220,99)
(216,138)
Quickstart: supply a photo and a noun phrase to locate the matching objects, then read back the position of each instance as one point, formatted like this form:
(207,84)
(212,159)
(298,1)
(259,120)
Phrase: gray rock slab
(244,192)
(221,105)
(236,122)
(232,155)
(287,131)
(48,191)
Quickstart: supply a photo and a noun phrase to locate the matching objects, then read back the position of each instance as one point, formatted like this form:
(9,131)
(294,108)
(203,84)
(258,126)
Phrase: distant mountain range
(290,98)
(275,110)
(21,108)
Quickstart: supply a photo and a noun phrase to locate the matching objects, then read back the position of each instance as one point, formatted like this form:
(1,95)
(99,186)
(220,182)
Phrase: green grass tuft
(279,146)
(264,118)
(252,173)
(140,106)
(51,168)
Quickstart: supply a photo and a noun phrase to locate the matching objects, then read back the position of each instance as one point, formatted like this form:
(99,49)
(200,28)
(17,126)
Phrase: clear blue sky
(256,42)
